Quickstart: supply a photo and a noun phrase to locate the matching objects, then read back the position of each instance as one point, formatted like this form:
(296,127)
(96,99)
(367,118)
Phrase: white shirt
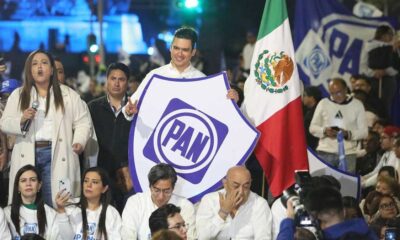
(350,116)
(73,218)
(253,219)
(4,230)
(247,55)
(137,211)
(29,224)
(388,159)
(167,71)
(278,214)
(43,124)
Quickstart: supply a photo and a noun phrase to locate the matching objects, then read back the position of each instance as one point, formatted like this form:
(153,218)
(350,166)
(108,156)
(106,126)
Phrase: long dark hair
(25,96)
(17,202)
(105,200)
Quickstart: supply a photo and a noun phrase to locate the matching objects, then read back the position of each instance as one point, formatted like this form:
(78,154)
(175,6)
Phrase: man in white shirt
(135,217)
(234,212)
(388,137)
(339,112)
(183,48)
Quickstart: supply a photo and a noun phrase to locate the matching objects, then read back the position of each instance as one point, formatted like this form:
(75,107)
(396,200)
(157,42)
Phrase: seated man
(234,212)
(325,204)
(168,217)
(135,217)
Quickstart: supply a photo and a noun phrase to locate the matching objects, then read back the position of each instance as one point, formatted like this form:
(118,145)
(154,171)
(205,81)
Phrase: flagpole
(263,185)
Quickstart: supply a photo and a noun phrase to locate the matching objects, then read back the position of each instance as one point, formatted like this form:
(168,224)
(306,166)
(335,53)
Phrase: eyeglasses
(157,191)
(387,205)
(179,226)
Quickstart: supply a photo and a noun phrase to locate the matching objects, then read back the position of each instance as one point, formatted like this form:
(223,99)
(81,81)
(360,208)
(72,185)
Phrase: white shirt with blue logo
(29,224)
(73,217)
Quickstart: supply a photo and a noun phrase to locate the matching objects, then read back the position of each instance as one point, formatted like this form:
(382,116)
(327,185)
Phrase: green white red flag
(273,102)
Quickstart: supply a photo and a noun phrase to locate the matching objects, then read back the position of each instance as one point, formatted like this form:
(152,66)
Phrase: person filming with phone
(339,114)
(234,212)
(325,205)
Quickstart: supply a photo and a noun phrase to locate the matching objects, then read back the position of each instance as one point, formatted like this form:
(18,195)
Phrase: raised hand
(131,107)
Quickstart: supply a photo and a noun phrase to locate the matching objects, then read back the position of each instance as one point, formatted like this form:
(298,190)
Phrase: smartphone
(64,184)
(335,128)
(390,233)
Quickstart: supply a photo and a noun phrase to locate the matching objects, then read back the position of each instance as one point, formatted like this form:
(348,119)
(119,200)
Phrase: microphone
(27,123)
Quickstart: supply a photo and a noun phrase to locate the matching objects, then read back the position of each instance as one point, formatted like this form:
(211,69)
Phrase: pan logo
(186,139)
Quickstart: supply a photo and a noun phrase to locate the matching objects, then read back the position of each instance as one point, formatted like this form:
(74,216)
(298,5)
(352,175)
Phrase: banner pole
(380,88)
(263,185)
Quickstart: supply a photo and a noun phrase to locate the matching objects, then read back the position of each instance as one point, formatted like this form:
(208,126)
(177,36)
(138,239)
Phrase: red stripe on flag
(281,148)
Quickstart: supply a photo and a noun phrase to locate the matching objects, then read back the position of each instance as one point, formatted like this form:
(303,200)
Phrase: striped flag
(272,100)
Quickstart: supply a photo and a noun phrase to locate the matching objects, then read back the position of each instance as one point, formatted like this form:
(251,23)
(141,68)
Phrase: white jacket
(72,126)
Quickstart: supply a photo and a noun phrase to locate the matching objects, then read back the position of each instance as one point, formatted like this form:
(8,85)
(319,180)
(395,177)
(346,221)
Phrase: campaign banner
(350,183)
(191,125)
(329,41)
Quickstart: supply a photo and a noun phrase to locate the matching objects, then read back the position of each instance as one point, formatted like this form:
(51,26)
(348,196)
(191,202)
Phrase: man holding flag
(272,100)
(340,114)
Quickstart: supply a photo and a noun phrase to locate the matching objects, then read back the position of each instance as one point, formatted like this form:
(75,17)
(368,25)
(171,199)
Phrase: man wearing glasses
(135,217)
(340,112)
(234,212)
(168,217)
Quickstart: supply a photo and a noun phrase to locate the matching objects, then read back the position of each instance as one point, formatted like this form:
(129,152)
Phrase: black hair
(105,200)
(351,202)
(382,30)
(118,66)
(391,170)
(313,91)
(17,202)
(32,236)
(187,33)
(162,171)
(324,199)
(159,218)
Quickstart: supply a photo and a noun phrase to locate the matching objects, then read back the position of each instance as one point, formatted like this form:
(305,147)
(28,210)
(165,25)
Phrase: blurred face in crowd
(387,208)
(370,144)
(361,84)
(177,225)
(60,72)
(161,192)
(28,186)
(41,69)
(93,186)
(238,182)
(397,148)
(383,188)
(181,53)
(378,128)
(386,142)
(337,91)
(117,83)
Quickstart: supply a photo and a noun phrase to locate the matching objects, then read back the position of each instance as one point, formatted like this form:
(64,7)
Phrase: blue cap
(9,85)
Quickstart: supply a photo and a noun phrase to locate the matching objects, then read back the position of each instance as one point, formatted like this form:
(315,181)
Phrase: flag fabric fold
(272,100)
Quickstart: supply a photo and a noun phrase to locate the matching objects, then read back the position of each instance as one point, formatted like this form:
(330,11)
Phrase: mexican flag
(273,102)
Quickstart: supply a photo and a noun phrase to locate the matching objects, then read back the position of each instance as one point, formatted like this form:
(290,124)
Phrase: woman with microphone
(51,125)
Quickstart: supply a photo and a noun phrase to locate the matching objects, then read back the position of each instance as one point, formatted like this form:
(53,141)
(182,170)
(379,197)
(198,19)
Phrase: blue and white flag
(341,152)
(192,126)
(329,40)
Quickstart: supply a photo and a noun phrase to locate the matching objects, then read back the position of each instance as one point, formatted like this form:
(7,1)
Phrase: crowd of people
(50,134)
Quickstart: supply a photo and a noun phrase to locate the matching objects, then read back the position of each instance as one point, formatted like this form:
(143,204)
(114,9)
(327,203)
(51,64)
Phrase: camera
(296,194)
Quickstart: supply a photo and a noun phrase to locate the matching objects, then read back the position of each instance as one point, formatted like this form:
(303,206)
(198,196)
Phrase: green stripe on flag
(274,15)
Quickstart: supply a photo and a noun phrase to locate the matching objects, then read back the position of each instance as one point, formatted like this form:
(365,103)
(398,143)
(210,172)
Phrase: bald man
(339,112)
(234,212)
